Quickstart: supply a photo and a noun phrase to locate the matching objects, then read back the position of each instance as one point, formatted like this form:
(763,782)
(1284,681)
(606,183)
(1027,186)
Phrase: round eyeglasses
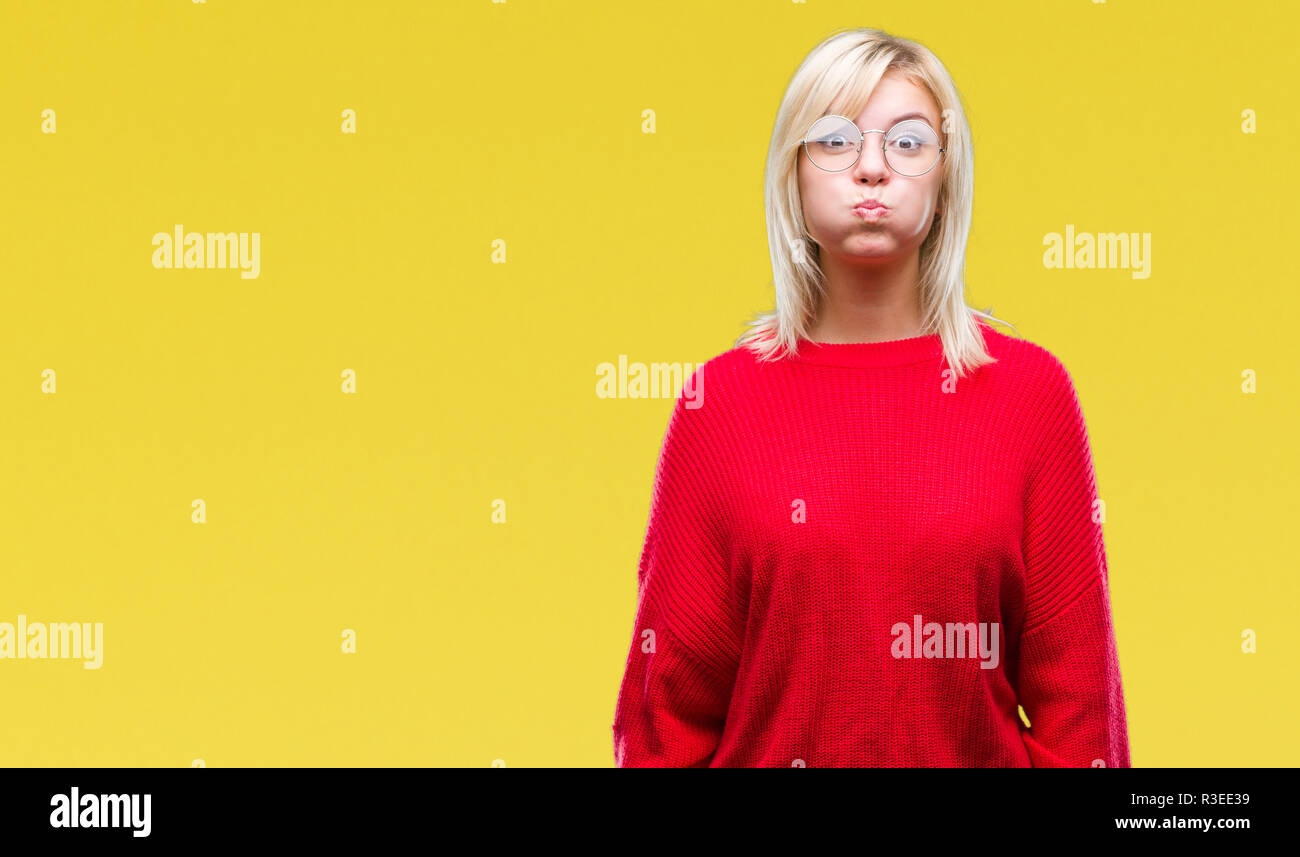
(834,143)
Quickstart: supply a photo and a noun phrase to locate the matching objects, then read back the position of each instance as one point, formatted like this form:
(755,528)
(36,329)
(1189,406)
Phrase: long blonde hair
(838,76)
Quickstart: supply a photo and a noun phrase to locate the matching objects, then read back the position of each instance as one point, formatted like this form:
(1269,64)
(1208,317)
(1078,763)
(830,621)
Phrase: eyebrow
(913,115)
(920,116)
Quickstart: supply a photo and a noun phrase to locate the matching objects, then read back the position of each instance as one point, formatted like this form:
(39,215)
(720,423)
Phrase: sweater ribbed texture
(812,508)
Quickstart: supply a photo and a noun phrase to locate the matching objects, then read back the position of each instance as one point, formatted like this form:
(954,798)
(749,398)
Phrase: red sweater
(854,559)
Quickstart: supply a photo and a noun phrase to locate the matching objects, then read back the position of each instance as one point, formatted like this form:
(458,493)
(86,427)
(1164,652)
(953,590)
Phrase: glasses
(834,143)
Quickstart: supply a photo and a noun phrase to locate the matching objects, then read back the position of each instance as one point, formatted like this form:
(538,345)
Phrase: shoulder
(1027,366)
(1033,387)
(727,376)
(1047,406)
(716,395)
(698,432)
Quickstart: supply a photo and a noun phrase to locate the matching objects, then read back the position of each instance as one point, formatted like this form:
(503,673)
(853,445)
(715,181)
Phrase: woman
(874,532)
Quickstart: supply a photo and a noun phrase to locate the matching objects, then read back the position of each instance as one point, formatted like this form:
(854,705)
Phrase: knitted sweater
(852,558)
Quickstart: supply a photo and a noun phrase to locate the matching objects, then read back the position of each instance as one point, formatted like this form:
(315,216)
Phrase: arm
(676,688)
(1068,674)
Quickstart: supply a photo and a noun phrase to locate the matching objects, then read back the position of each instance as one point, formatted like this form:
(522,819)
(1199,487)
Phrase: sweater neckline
(892,352)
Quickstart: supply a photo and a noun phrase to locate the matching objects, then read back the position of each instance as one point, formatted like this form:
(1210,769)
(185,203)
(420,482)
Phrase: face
(829,197)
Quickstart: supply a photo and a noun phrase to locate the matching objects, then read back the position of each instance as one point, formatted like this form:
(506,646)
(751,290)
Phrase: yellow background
(522,121)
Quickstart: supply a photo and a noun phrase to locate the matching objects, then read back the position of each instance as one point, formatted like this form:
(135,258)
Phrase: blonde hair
(838,76)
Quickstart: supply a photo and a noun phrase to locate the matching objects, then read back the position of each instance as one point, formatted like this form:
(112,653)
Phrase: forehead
(894,99)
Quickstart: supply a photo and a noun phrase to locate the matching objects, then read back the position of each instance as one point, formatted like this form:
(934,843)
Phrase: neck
(869,302)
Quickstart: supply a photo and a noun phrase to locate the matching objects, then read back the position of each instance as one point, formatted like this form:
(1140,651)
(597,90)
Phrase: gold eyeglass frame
(861,145)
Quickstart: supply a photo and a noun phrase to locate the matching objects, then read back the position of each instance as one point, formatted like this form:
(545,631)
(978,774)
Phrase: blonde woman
(872,536)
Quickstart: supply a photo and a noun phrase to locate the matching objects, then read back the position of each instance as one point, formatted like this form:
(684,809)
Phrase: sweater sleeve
(1068,676)
(676,687)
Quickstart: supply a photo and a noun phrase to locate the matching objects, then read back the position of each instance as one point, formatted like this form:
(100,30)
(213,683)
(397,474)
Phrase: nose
(871,163)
